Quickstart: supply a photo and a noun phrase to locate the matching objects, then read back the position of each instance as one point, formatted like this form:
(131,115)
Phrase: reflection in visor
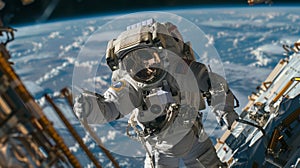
(144,65)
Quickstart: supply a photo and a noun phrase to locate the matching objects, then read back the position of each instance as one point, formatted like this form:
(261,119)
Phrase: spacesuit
(157,81)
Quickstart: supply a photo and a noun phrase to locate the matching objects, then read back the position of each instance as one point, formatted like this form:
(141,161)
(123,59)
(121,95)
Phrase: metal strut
(73,132)
(10,36)
(291,49)
(21,115)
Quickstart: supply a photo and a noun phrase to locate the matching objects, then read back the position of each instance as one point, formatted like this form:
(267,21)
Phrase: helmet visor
(144,65)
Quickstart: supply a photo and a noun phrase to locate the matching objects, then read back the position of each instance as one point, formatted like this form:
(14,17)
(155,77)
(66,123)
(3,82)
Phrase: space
(47,52)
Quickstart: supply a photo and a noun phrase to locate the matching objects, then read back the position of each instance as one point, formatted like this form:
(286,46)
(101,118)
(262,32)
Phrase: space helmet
(142,50)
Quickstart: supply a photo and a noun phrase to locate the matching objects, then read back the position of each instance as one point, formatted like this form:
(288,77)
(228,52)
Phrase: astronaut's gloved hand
(229,118)
(226,118)
(84,104)
(81,107)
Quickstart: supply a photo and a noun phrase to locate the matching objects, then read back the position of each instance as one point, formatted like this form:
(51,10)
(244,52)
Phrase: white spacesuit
(157,80)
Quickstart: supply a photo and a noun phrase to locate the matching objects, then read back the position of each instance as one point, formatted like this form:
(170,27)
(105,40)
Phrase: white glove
(84,104)
(226,118)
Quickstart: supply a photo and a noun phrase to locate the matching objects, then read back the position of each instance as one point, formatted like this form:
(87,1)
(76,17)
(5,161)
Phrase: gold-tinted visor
(144,65)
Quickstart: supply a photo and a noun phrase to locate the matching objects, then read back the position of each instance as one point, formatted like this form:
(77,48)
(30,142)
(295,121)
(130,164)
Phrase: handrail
(284,89)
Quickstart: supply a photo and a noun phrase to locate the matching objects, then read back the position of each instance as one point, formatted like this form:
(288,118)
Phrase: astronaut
(157,81)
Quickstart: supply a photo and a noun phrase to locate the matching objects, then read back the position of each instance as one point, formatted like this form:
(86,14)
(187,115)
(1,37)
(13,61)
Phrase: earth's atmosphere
(248,40)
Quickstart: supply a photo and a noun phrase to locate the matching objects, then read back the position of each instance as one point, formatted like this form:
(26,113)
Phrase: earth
(248,42)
